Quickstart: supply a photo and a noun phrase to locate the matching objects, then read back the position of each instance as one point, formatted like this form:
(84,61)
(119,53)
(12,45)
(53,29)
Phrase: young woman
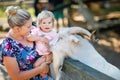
(18,54)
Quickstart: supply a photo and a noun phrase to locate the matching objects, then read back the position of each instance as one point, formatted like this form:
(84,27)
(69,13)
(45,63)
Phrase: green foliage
(2,14)
(31,11)
(111,10)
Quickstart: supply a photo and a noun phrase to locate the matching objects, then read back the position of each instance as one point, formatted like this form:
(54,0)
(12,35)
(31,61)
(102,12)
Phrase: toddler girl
(42,35)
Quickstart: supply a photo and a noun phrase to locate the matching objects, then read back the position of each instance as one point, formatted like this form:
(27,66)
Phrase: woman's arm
(14,72)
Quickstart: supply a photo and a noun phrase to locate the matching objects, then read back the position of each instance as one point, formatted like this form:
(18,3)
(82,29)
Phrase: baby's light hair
(45,14)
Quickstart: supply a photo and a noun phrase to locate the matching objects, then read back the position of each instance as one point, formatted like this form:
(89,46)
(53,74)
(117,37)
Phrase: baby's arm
(33,38)
(37,38)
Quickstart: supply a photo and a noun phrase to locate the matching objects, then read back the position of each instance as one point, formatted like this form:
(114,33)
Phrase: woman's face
(46,24)
(26,28)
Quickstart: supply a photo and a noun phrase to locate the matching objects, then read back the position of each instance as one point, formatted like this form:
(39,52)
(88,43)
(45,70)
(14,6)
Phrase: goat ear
(79,30)
(74,39)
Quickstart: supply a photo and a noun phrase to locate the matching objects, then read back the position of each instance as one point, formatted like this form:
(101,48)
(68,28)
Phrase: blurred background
(100,15)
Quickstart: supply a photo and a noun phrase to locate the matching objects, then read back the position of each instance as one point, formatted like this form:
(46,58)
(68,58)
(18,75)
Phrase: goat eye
(61,38)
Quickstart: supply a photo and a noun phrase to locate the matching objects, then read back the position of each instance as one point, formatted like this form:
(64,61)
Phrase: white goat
(69,44)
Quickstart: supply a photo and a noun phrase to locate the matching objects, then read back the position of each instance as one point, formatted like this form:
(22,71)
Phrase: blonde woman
(18,54)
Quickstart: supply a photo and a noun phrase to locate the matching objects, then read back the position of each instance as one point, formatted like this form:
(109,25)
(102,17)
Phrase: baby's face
(46,24)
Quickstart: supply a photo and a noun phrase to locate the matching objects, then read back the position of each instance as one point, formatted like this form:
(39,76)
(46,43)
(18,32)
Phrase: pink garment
(40,46)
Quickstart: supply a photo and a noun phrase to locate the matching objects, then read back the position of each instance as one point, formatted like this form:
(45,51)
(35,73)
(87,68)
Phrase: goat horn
(79,30)
(92,37)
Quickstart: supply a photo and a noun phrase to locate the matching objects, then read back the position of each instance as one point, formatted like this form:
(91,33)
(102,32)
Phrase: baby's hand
(45,40)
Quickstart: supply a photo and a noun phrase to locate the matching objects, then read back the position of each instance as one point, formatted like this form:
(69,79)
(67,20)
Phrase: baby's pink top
(40,46)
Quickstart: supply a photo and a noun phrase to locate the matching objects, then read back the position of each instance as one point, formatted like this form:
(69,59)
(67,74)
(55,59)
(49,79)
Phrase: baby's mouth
(47,28)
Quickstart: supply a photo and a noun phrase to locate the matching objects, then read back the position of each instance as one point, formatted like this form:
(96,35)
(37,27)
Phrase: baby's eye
(49,22)
(43,22)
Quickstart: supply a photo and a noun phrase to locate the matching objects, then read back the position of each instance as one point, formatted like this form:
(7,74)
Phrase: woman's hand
(49,58)
(45,68)
(39,61)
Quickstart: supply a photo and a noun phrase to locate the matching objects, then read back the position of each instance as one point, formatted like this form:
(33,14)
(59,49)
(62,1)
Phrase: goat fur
(69,44)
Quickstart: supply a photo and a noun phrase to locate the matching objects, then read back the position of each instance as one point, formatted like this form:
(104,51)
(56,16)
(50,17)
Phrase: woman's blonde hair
(17,16)
(45,14)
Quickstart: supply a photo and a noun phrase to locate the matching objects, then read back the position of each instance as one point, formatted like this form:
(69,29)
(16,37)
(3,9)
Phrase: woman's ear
(17,29)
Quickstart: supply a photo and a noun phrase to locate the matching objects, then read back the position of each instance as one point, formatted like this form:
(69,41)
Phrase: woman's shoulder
(9,47)
(6,48)
(6,40)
